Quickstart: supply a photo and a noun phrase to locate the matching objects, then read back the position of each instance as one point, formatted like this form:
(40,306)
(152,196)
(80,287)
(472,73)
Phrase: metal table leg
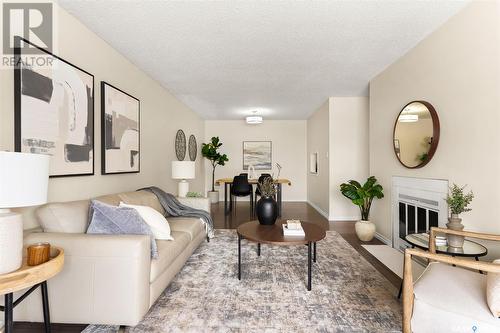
(230,197)
(279,199)
(10,304)
(239,257)
(309,265)
(8,313)
(258,249)
(477,259)
(225,198)
(314,248)
(45,301)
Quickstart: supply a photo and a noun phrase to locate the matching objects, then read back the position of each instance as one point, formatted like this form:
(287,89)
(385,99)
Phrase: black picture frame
(105,135)
(18,107)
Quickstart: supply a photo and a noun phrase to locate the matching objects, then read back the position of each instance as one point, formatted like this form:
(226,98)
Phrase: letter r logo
(31,21)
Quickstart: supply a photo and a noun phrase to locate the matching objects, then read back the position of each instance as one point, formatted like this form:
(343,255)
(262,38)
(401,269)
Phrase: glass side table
(470,249)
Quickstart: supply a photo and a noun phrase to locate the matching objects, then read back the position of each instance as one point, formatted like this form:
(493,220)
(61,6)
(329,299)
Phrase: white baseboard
(319,210)
(344,218)
(383,239)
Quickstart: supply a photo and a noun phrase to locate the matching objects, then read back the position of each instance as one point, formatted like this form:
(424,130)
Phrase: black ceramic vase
(267,210)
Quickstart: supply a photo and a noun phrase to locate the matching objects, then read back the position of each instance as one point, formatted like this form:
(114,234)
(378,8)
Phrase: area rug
(348,294)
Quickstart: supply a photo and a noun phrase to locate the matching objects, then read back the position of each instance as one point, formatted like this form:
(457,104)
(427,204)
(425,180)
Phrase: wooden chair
(448,298)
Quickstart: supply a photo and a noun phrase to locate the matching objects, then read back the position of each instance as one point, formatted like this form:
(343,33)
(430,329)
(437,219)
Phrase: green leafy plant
(267,187)
(362,195)
(210,151)
(458,201)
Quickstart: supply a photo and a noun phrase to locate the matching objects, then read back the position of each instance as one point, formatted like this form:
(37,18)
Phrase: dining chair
(241,188)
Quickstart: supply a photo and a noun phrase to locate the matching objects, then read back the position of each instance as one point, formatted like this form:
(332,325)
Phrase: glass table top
(470,248)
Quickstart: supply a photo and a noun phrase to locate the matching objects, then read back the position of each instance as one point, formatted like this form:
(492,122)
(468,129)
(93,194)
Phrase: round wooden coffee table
(273,234)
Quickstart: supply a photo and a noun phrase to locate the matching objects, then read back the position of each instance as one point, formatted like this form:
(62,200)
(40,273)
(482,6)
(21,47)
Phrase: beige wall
(457,69)
(288,149)
(318,134)
(161,116)
(348,152)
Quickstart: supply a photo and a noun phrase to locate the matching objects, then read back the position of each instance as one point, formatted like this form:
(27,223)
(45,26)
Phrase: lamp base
(183,188)
(11,241)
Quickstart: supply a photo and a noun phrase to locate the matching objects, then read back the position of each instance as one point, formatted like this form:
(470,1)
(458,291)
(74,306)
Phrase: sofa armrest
(197,203)
(105,279)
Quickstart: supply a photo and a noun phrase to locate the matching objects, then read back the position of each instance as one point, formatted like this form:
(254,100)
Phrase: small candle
(38,254)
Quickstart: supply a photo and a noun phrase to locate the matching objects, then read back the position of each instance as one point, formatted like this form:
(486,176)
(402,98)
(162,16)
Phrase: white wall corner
(319,210)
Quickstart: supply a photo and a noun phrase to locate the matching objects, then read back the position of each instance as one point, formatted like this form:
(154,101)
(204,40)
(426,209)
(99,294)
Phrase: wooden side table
(29,277)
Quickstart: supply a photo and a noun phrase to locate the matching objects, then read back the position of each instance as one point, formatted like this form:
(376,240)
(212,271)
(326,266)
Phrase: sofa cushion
(111,220)
(157,222)
(141,198)
(451,299)
(193,226)
(167,252)
(69,217)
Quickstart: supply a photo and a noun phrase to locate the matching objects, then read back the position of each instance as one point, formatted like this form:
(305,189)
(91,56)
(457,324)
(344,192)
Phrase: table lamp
(183,170)
(24,180)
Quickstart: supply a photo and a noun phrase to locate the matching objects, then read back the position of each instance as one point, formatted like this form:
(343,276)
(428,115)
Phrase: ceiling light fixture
(254,120)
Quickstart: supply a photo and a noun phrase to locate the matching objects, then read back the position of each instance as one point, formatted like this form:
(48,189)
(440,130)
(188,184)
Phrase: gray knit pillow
(106,219)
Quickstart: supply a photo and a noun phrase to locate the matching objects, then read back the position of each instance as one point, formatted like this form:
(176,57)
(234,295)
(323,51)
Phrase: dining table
(227,182)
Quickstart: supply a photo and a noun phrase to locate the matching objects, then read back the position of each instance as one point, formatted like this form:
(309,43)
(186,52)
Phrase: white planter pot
(365,230)
(213,196)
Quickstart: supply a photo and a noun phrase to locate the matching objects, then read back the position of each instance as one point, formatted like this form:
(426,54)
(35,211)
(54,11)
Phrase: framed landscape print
(54,111)
(258,154)
(120,129)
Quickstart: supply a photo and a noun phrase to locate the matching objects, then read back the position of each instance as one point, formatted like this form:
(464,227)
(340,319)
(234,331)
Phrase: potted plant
(363,196)
(267,208)
(457,203)
(210,151)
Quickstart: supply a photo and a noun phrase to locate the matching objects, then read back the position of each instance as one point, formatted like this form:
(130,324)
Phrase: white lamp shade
(183,169)
(24,179)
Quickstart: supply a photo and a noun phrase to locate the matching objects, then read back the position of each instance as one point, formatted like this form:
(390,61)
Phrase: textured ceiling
(224,59)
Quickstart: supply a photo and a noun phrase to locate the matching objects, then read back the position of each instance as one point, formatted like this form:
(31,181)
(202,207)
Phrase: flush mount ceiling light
(254,120)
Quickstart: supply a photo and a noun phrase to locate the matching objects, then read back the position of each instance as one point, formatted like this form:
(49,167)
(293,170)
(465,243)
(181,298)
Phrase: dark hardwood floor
(241,214)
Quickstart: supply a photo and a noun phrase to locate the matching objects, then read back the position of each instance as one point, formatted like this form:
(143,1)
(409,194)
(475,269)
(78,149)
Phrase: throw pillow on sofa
(157,222)
(493,291)
(111,220)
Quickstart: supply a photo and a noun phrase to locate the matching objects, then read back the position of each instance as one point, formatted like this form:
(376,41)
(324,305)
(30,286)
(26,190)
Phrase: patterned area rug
(348,294)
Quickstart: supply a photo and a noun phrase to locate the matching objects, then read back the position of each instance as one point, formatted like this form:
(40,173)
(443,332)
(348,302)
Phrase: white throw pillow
(493,291)
(157,222)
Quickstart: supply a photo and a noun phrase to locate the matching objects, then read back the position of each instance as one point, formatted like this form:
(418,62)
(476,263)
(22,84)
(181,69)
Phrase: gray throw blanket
(173,207)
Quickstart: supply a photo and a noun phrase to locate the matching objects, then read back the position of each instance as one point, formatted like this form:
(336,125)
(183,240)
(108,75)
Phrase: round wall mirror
(416,134)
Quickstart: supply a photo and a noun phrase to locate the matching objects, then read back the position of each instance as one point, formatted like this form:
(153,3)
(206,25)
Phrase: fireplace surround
(417,205)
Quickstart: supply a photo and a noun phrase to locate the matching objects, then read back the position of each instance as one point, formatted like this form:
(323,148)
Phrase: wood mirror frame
(435,134)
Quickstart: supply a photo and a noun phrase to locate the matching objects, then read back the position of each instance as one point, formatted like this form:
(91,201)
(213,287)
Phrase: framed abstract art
(120,131)
(258,154)
(54,111)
